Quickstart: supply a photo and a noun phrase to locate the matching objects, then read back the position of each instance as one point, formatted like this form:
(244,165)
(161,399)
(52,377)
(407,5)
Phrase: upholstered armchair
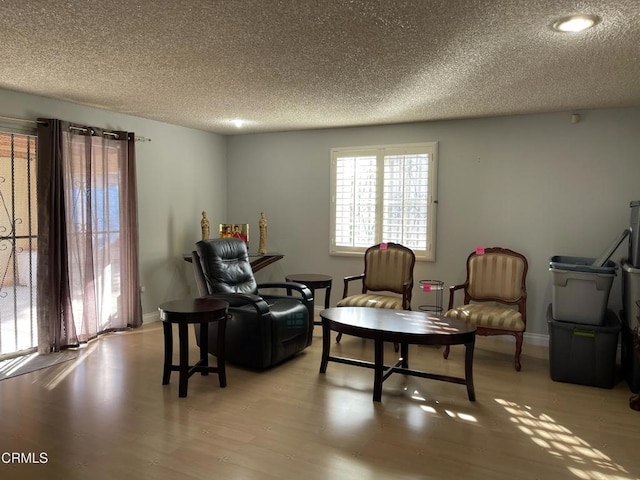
(387,280)
(495,295)
(263,329)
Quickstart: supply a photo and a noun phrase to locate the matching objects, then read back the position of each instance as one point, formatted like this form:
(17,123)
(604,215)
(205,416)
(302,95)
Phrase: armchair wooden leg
(519,337)
(445,354)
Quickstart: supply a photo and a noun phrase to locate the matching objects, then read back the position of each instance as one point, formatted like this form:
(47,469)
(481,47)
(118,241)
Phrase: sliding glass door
(18,244)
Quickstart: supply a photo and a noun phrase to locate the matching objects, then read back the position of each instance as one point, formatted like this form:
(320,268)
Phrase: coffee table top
(368,321)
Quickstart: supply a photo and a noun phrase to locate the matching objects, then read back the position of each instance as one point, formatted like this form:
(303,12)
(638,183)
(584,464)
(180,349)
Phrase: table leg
(204,347)
(326,346)
(468,369)
(313,296)
(222,372)
(378,370)
(168,352)
(183,339)
(327,297)
(404,353)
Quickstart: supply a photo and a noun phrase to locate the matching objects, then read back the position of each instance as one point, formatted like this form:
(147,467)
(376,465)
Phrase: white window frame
(380,151)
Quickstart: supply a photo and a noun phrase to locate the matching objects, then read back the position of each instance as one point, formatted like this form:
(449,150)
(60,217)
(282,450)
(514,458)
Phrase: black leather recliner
(263,330)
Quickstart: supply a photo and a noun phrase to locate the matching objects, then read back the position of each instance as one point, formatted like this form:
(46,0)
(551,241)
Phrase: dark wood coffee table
(397,326)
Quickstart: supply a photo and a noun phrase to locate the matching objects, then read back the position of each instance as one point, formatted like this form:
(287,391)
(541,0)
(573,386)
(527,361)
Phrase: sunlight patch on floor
(586,462)
(9,367)
(416,395)
(72,366)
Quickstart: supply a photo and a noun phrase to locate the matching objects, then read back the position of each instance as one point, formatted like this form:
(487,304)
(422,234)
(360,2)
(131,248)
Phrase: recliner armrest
(304,291)
(242,299)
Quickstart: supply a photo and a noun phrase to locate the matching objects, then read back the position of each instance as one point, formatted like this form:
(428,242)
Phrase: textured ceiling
(301,64)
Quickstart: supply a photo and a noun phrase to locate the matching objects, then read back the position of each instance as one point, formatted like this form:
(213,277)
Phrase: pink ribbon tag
(426,287)
(480,250)
(383,246)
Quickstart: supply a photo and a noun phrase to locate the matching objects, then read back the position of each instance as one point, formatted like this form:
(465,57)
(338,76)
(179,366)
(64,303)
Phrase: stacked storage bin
(629,315)
(630,297)
(583,333)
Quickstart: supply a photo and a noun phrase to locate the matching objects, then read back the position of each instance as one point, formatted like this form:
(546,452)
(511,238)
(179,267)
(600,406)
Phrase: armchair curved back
(389,268)
(498,275)
(225,266)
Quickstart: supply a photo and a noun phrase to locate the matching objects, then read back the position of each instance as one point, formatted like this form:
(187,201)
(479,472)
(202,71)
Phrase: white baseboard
(536,339)
(150,317)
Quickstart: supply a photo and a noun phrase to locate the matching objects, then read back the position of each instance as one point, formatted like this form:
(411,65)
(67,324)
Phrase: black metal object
(17,239)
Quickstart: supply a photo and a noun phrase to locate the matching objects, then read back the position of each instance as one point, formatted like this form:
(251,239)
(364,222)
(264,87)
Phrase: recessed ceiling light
(575,23)
(238,123)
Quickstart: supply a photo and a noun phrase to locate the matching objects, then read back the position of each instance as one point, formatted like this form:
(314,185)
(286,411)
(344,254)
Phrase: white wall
(534,183)
(180,173)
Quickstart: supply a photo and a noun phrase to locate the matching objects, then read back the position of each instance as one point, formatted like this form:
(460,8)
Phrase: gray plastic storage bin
(584,354)
(634,241)
(630,360)
(630,294)
(580,291)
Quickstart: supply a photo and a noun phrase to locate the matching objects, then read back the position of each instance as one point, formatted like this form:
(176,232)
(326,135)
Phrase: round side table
(313,281)
(200,311)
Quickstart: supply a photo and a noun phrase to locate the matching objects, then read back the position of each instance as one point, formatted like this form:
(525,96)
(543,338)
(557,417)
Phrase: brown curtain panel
(88,280)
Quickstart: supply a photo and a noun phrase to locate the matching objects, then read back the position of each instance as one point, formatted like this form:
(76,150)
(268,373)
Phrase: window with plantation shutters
(384,194)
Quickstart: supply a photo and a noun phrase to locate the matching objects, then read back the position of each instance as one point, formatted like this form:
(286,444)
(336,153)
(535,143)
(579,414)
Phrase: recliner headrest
(226,267)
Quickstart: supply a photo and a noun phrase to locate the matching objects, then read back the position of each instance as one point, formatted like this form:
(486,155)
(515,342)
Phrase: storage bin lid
(627,267)
(581,264)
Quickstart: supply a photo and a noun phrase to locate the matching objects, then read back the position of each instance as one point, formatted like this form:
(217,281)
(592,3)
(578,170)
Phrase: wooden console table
(258,262)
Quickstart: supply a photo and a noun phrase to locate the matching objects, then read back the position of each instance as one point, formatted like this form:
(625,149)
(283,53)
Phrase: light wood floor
(107,416)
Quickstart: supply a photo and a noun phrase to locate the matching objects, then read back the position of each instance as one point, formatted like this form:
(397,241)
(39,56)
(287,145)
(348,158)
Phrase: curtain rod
(138,138)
